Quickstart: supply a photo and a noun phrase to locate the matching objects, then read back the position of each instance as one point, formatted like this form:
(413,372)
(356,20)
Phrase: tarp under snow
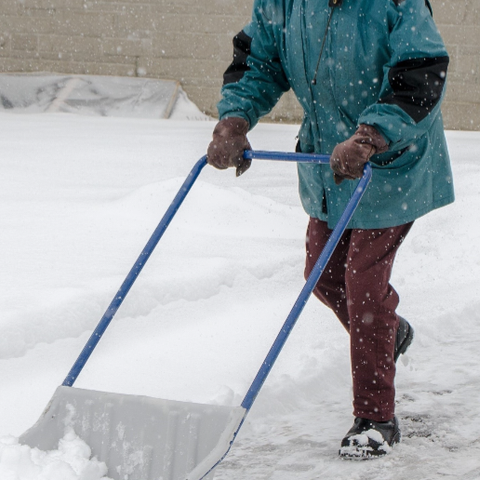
(89,95)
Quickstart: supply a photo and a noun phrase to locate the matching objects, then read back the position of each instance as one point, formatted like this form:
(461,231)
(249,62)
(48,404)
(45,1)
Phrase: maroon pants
(355,285)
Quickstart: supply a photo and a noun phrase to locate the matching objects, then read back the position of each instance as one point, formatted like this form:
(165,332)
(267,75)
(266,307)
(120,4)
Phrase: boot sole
(359,453)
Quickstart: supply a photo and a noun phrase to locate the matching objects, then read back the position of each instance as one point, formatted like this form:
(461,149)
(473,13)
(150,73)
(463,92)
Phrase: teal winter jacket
(351,62)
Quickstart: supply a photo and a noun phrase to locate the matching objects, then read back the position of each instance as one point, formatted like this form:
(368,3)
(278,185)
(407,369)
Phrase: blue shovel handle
(133,274)
(306,291)
(160,230)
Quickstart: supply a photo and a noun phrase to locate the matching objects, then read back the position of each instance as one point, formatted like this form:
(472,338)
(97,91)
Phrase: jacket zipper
(332,4)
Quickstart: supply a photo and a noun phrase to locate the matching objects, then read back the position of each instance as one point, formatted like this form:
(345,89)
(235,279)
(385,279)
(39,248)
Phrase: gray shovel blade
(138,437)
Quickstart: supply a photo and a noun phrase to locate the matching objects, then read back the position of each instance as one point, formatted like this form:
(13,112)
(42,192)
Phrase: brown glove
(349,157)
(228,144)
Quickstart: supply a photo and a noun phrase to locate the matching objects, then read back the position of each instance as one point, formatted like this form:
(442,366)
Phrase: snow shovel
(144,438)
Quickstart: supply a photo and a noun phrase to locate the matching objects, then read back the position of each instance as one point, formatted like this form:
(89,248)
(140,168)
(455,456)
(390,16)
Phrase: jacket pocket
(405,158)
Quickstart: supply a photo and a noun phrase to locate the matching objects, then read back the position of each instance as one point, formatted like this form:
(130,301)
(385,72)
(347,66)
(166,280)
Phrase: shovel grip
(287,156)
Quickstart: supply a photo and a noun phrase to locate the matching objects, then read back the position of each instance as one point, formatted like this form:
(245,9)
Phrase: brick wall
(459,23)
(186,40)
(190,41)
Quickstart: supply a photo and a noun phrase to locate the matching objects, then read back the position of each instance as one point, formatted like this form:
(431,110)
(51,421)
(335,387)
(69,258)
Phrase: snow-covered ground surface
(79,198)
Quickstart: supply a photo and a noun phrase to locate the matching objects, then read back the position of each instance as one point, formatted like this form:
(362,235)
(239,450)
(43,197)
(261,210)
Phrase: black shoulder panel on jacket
(241,51)
(427,3)
(417,85)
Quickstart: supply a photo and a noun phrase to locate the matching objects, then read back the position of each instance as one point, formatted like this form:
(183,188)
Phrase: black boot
(404,338)
(369,439)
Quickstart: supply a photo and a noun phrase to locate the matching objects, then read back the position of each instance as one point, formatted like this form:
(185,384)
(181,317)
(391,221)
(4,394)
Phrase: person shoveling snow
(369,95)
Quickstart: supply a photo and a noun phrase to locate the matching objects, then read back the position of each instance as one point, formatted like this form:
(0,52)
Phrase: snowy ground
(79,198)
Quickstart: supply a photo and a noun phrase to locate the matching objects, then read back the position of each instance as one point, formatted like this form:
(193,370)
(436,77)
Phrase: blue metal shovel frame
(232,417)
(162,227)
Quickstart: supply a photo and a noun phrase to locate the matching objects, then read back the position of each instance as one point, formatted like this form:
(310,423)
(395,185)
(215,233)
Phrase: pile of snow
(80,197)
(72,461)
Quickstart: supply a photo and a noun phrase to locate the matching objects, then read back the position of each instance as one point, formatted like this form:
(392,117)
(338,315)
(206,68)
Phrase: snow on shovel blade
(138,437)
